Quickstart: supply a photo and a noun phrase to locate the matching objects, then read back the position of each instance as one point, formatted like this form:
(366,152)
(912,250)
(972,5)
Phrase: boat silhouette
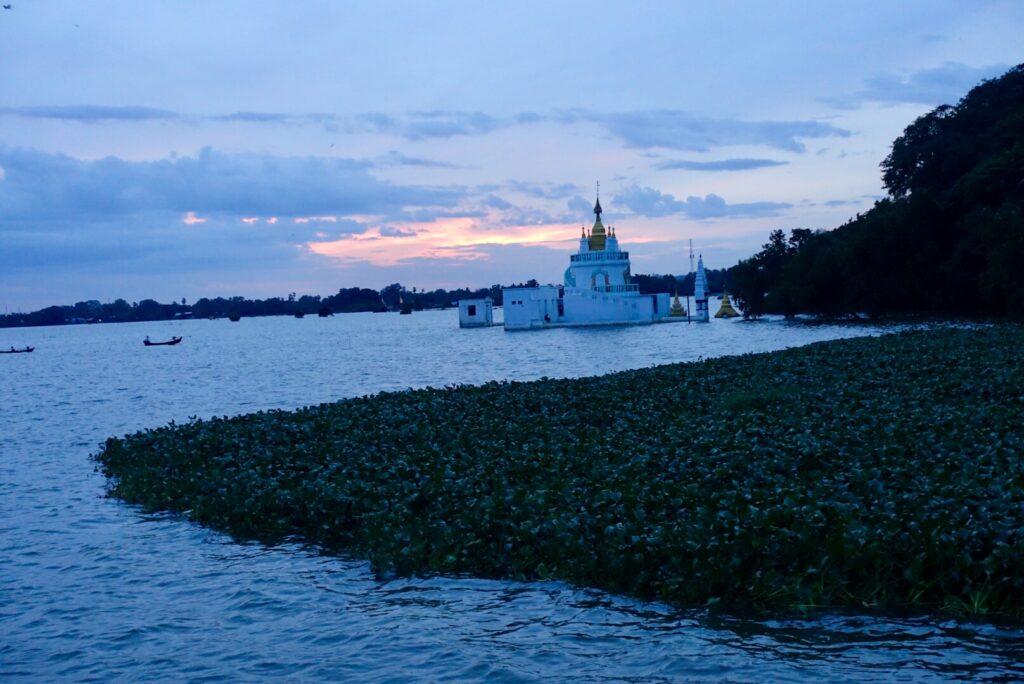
(172,341)
(12,350)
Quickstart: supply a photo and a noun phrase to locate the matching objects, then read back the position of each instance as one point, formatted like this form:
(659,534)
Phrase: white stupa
(596,290)
(700,293)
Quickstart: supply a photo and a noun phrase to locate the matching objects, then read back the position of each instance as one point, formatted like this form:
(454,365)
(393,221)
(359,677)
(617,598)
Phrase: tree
(946,239)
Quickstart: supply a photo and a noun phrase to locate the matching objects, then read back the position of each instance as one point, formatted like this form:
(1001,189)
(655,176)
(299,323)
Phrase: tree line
(947,240)
(347,300)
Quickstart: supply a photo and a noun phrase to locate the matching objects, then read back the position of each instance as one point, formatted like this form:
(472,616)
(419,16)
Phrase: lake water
(92,589)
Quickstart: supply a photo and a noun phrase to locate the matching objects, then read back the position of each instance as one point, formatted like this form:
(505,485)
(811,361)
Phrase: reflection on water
(91,588)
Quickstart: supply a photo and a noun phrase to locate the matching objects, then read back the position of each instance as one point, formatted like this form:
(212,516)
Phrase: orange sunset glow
(439,238)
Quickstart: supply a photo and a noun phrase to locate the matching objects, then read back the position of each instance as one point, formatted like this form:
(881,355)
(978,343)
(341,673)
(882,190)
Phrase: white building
(476,313)
(596,290)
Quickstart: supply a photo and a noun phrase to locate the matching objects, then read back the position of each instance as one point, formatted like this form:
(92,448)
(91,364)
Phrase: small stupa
(726,310)
(677,307)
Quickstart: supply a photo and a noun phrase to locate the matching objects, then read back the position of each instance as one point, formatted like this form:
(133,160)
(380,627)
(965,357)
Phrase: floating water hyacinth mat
(868,472)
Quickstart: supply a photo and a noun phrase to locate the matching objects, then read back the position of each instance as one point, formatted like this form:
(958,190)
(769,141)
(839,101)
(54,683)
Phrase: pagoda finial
(597,204)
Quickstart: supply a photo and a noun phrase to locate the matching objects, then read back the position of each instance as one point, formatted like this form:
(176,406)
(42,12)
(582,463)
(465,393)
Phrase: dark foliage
(871,472)
(949,239)
(718,280)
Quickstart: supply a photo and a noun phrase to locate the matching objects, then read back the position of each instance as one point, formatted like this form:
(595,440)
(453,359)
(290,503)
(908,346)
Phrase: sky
(173,150)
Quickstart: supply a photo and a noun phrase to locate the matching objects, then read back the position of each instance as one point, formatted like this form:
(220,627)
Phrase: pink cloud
(191,219)
(460,237)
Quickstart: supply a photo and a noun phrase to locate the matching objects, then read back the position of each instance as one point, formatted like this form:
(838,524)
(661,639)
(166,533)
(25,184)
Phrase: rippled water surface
(93,589)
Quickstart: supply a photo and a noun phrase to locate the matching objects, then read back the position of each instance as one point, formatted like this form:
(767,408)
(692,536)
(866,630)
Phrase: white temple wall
(592,273)
(530,307)
(584,307)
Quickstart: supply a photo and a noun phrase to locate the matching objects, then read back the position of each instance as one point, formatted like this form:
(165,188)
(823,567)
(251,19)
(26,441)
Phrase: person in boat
(147,338)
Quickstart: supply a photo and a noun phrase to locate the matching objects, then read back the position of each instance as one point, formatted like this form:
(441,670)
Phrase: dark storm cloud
(939,85)
(650,202)
(719,165)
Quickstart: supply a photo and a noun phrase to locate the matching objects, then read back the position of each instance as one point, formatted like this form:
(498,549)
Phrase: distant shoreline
(346,300)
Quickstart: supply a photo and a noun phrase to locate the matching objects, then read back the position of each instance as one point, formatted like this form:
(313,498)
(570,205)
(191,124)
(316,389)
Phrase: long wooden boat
(172,341)
(12,350)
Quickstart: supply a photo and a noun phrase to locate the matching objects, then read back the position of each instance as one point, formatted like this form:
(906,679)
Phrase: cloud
(185,215)
(432,124)
(389,231)
(679,130)
(394,158)
(484,263)
(496,202)
(945,84)
(580,205)
(650,202)
(255,117)
(670,129)
(46,187)
(91,113)
(531,216)
(719,165)
(544,190)
(431,215)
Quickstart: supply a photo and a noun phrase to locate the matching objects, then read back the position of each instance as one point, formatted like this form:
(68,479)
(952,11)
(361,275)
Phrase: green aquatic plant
(882,472)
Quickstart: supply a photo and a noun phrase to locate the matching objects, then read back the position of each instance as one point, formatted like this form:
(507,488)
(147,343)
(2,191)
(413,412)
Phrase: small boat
(12,350)
(234,318)
(172,341)
(300,314)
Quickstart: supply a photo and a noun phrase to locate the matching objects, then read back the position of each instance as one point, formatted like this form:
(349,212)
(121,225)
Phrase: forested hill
(948,239)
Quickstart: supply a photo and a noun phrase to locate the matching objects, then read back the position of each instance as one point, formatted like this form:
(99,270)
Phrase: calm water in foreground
(93,589)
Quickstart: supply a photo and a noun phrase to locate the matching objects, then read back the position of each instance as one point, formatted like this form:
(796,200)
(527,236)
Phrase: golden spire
(597,234)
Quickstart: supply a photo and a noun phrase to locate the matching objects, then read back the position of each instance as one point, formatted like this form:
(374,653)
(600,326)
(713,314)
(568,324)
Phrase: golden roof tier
(597,233)
(726,310)
(677,307)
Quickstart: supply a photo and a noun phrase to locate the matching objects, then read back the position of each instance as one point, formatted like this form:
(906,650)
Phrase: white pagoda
(700,293)
(596,290)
